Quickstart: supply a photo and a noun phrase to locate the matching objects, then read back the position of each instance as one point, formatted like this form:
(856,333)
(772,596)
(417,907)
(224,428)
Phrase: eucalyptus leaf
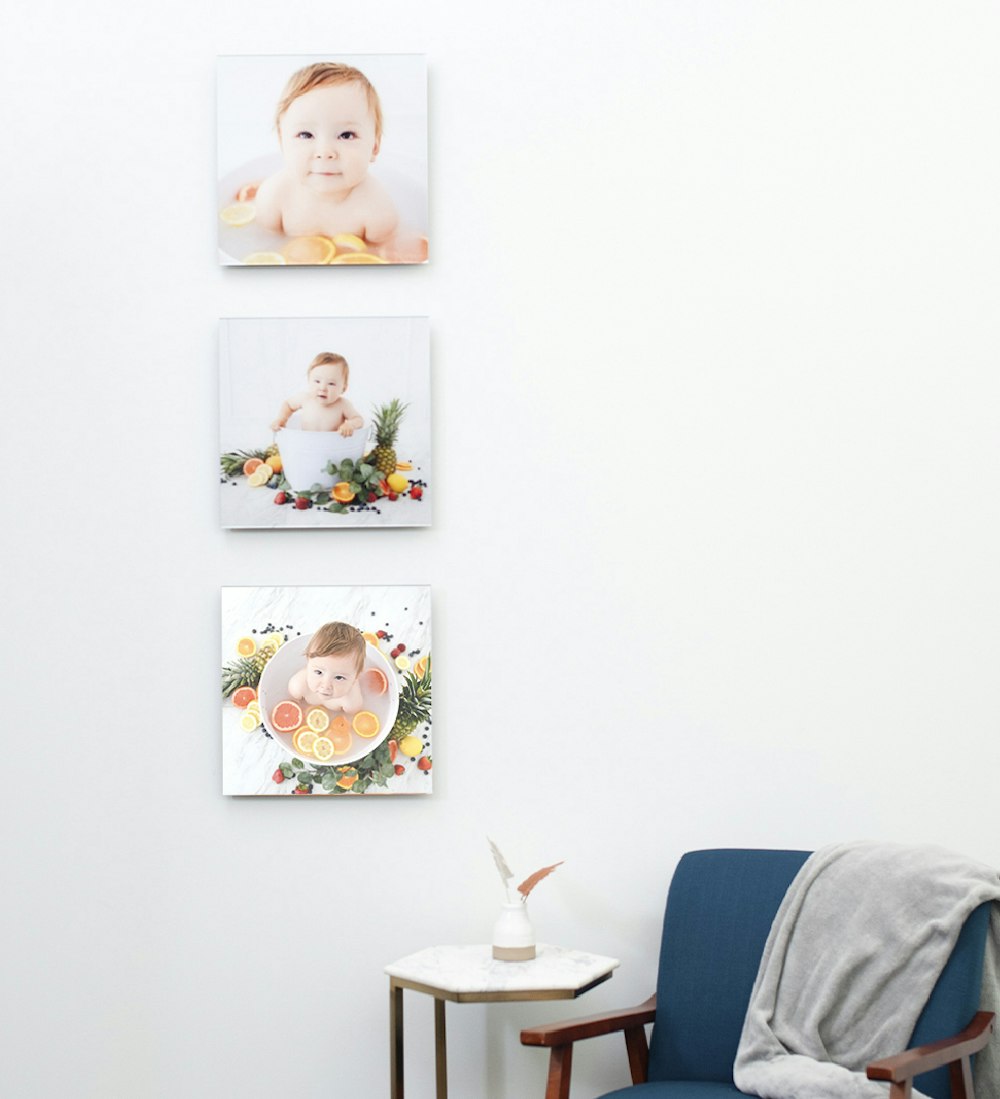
(365,470)
(329,782)
(298,764)
(339,508)
(346,469)
(355,488)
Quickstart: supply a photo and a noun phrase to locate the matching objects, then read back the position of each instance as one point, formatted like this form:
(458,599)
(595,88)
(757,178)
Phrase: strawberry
(399,768)
(279,775)
(302,502)
(393,495)
(416,492)
(424,763)
(281,498)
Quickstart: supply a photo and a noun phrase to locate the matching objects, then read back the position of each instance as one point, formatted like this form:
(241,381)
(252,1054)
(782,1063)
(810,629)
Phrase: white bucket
(304,454)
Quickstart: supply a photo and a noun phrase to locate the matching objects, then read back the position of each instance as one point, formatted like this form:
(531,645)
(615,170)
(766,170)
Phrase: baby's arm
(297,684)
(381,218)
(268,203)
(353,420)
(293,404)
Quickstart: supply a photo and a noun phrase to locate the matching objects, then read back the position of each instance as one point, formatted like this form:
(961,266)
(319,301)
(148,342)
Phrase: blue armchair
(719,912)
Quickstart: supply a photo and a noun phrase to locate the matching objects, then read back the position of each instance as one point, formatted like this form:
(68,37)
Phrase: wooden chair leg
(560,1066)
(638,1053)
(903,1090)
(960,1073)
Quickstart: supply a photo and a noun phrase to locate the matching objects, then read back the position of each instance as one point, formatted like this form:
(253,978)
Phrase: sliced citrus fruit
(421,666)
(247,192)
(272,641)
(374,681)
(341,492)
(356,258)
(348,242)
(318,719)
(254,708)
(240,213)
(348,778)
(304,740)
(317,250)
(286,717)
(366,724)
(340,735)
(251,464)
(260,476)
(243,696)
(249,722)
(402,662)
(404,465)
(371,638)
(322,748)
(246,646)
(264,259)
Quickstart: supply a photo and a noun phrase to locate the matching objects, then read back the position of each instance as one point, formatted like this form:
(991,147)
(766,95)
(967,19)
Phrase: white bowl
(273,688)
(304,454)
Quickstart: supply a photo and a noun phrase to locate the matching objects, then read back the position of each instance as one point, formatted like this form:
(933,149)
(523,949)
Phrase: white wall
(714,337)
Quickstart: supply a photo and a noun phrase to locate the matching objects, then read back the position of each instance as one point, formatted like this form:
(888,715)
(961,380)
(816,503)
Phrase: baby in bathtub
(335,658)
(329,123)
(323,405)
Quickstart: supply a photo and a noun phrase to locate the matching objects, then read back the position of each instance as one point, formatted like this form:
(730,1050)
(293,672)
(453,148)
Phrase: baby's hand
(277,424)
(345,429)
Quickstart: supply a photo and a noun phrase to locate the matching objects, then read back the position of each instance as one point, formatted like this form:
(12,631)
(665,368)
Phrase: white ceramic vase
(513,935)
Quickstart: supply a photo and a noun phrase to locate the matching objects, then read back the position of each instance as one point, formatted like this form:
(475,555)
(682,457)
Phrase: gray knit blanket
(853,954)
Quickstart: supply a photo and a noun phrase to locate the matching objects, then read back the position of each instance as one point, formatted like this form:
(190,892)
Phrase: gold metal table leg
(440,1049)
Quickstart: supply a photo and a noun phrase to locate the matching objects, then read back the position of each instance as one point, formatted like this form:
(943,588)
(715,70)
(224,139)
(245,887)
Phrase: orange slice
(348,778)
(251,464)
(243,696)
(404,465)
(246,646)
(341,492)
(304,741)
(340,735)
(322,749)
(356,257)
(421,666)
(371,638)
(318,719)
(310,250)
(374,681)
(240,213)
(348,242)
(366,724)
(286,717)
(264,259)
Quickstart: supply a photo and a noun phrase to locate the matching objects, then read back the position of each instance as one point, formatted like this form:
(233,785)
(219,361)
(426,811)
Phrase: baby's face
(326,383)
(328,138)
(331,676)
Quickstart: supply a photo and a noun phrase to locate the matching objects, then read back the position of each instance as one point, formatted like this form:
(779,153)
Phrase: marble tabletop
(472,969)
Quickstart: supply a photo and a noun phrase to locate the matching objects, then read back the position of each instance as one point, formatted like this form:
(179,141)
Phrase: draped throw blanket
(853,955)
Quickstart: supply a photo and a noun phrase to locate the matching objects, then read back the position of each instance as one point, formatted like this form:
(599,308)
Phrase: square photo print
(326,691)
(322,160)
(325,422)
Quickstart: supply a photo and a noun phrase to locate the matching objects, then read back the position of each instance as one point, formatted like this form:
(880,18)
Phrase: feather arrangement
(507,875)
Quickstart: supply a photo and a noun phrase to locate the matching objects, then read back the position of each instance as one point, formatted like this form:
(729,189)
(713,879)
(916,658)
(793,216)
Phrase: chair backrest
(719,912)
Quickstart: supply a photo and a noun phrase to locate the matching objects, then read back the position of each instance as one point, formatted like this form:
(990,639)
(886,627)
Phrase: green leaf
(346,469)
(286,770)
(298,764)
(315,487)
(329,782)
(365,470)
(339,508)
(355,488)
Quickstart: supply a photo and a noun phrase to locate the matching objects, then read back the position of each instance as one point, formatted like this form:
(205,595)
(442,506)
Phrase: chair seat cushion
(677,1089)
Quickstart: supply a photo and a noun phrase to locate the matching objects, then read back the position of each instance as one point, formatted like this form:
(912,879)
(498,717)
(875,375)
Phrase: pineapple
(387,418)
(245,671)
(232,463)
(414,704)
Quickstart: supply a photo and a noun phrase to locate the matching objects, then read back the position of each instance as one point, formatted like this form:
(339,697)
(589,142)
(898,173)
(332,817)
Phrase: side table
(469,974)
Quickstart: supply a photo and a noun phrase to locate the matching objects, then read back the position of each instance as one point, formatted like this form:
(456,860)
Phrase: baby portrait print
(326,691)
(322,160)
(325,422)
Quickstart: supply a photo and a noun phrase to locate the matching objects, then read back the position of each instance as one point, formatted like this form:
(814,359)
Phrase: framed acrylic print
(322,160)
(325,422)
(326,690)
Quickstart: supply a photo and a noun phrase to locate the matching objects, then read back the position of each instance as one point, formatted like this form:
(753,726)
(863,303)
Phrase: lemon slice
(304,740)
(253,708)
(272,641)
(323,748)
(348,242)
(260,476)
(264,259)
(402,662)
(240,213)
(312,250)
(318,719)
(356,258)
(249,721)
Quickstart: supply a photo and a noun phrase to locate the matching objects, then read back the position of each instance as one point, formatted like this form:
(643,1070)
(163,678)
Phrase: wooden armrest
(574,1030)
(912,1062)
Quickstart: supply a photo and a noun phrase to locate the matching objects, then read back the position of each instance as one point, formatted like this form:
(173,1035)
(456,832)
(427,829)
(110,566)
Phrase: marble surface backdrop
(249,760)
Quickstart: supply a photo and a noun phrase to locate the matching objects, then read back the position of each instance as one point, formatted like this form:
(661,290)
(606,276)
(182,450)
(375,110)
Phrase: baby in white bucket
(323,406)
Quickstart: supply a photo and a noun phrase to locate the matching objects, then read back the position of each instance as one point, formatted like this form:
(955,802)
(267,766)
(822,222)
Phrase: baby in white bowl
(329,123)
(335,658)
(323,406)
